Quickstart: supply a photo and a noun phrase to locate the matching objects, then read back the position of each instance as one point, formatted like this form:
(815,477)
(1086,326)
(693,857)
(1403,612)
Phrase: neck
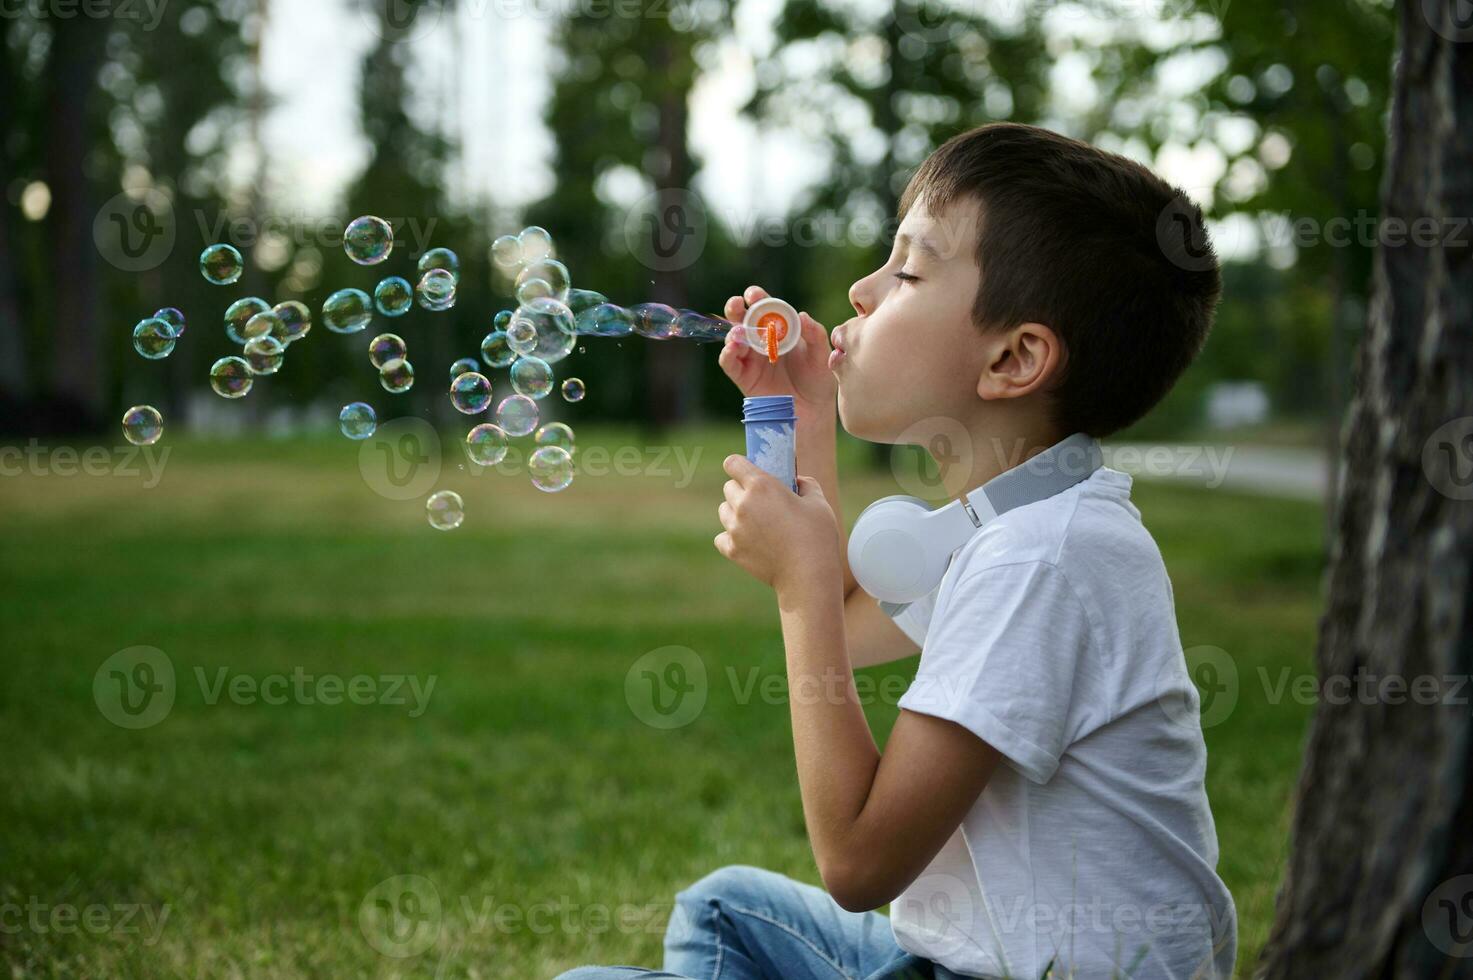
(994,449)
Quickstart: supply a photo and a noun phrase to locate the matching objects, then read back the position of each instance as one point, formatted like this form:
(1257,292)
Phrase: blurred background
(138,131)
(677,150)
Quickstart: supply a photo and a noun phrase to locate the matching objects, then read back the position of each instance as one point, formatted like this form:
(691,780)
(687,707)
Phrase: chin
(862,424)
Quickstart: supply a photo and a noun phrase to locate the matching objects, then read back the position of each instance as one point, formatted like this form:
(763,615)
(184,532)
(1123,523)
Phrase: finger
(740,468)
(809,487)
(754,293)
(726,514)
(813,332)
(735,310)
(722,542)
(732,490)
(736,336)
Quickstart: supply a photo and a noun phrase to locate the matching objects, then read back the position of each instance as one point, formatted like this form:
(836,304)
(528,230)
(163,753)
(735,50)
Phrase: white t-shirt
(1053,638)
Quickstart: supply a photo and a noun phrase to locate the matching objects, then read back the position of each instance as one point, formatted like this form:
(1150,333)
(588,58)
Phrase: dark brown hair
(1106,254)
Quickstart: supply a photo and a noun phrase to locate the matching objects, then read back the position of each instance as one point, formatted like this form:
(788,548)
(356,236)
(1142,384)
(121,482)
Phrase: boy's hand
(784,539)
(802,372)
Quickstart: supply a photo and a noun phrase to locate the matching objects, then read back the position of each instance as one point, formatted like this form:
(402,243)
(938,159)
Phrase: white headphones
(900,547)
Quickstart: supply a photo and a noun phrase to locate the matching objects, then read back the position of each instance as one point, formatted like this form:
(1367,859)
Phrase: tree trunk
(673,374)
(13,367)
(78,377)
(1377,883)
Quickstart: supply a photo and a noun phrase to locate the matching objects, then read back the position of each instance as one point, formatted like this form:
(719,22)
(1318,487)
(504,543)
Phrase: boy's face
(912,352)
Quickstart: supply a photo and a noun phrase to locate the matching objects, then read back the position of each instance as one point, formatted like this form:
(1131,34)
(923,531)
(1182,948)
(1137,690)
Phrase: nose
(861,295)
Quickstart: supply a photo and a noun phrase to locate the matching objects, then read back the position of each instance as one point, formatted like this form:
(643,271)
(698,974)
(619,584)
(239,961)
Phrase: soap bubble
(231,377)
(368,240)
(486,444)
(573,390)
(347,311)
(239,313)
(502,320)
(445,510)
(555,327)
(440,258)
(295,319)
(699,326)
(507,251)
(579,300)
(393,296)
(263,355)
(530,289)
(605,320)
(496,349)
(535,244)
(531,376)
(154,338)
(517,414)
(142,425)
(654,320)
(551,468)
(397,376)
(384,348)
(555,434)
(174,317)
(221,264)
(464,365)
(553,274)
(470,393)
(521,336)
(357,420)
(436,290)
(264,324)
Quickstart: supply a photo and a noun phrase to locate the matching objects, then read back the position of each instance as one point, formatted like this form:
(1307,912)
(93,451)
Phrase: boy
(1039,808)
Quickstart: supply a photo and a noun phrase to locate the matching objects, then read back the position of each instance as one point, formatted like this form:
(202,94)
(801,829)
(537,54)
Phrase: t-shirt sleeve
(1003,652)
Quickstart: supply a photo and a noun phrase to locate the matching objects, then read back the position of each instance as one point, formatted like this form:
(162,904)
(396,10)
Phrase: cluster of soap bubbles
(542,330)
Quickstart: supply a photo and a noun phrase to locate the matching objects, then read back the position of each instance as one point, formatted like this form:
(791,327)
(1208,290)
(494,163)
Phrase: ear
(1021,361)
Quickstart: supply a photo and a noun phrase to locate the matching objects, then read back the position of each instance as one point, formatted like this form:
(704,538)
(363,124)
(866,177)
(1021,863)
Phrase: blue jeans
(741,923)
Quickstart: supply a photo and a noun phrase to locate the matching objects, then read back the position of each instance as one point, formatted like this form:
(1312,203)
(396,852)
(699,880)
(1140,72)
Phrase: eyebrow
(923,244)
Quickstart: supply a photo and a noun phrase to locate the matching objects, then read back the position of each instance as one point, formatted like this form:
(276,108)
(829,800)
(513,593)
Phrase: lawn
(524,791)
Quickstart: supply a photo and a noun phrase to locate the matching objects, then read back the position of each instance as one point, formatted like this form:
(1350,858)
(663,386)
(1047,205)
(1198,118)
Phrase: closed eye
(906,277)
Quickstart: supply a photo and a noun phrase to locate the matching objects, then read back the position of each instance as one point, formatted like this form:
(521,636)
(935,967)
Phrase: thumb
(813,333)
(809,487)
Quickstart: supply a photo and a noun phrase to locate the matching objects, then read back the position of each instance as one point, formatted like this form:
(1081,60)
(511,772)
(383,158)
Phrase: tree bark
(1381,829)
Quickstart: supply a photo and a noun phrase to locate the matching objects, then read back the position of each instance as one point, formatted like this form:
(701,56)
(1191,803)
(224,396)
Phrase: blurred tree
(620,119)
(1380,877)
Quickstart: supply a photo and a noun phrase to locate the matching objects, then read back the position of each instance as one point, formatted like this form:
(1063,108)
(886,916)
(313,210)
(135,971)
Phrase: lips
(837,355)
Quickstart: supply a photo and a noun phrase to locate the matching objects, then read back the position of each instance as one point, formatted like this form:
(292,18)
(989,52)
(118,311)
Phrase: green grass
(552,823)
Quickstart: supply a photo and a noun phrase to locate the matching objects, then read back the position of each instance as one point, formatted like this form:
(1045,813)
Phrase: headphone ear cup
(889,552)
